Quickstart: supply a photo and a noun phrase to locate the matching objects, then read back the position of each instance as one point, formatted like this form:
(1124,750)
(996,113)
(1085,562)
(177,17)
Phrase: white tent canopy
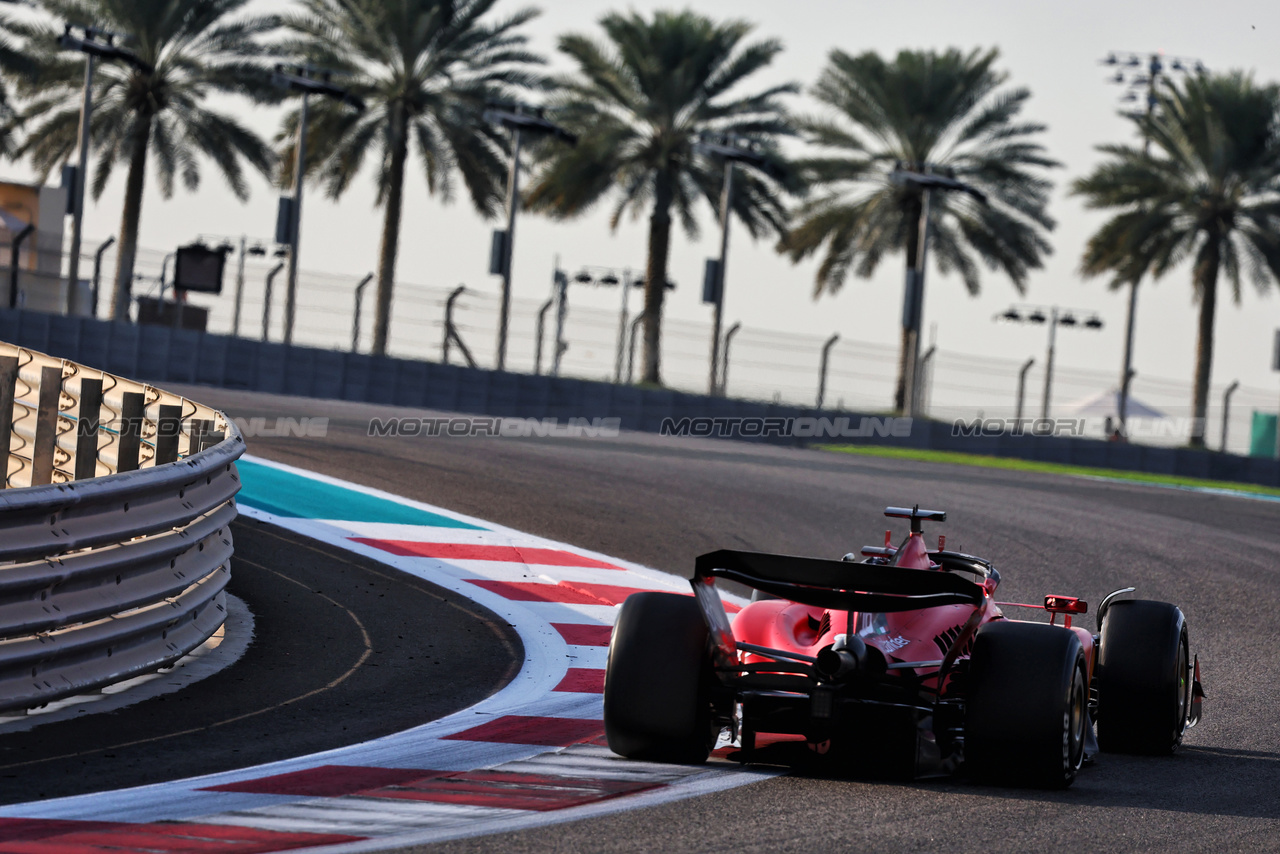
(1107,403)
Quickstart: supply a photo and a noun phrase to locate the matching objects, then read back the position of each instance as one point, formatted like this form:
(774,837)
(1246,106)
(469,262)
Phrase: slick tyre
(1027,707)
(656,699)
(1143,684)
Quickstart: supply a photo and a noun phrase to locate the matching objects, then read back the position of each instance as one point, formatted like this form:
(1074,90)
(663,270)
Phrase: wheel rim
(1184,692)
(1074,721)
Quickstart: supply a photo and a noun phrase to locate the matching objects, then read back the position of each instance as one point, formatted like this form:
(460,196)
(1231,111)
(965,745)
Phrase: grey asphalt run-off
(662,501)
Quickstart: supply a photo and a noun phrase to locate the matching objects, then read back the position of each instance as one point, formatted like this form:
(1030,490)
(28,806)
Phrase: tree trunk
(122,297)
(913,247)
(1206,279)
(655,283)
(399,145)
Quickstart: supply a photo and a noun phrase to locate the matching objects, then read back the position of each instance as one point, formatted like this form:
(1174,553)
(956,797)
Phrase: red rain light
(1065,605)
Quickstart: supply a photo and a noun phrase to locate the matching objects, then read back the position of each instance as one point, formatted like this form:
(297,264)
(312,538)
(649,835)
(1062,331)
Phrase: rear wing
(836,584)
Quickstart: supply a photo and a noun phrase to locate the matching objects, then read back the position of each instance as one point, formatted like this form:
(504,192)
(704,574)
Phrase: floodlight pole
(1155,69)
(295,225)
(308,81)
(517,118)
(86,116)
(916,308)
(92,48)
(726,195)
(508,247)
(913,298)
(733,150)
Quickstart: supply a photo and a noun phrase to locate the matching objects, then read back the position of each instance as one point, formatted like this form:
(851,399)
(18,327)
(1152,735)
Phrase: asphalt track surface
(344,650)
(662,501)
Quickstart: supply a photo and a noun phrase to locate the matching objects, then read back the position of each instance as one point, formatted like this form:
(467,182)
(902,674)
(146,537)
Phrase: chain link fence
(762,364)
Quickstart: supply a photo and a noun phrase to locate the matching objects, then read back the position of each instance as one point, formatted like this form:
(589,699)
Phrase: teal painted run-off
(284,493)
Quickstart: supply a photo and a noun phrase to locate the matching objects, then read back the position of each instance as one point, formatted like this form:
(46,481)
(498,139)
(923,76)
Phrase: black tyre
(1027,705)
(656,701)
(1143,684)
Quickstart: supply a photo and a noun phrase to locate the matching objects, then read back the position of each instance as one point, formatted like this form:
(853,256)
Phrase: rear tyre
(1027,707)
(656,686)
(1143,686)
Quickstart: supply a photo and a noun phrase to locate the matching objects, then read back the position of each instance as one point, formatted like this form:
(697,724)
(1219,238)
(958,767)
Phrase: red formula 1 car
(902,662)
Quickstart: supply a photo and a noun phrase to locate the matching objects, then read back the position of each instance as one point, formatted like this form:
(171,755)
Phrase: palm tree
(924,111)
(15,67)
(197,47)
(425,69)
(639,104)
(1208,191)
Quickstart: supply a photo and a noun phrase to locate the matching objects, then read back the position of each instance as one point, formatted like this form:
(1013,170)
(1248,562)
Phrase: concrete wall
(160,354)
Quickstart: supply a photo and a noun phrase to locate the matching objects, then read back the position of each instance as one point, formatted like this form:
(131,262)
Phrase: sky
(1053,49)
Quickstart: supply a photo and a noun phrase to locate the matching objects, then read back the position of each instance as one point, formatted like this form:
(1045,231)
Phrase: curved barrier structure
(115,544)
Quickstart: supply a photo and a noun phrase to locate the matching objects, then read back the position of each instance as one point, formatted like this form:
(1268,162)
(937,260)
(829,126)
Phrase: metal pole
(448,320)
(1048,367)
(822,372)
(622,327)
(725,198)
(917,307)
(631,347)
(513,201)
(97,273)
(925,380)
(86,116)
(299,165)
(266,302)
(1126,372)
(355,318)
(235,315)
(164,274)
(1022,390)
(14,254)
(562,313)
(537,345)
(724,358)
(1226,411)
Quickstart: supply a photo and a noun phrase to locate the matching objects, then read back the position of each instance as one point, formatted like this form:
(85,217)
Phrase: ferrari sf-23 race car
(902,663)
